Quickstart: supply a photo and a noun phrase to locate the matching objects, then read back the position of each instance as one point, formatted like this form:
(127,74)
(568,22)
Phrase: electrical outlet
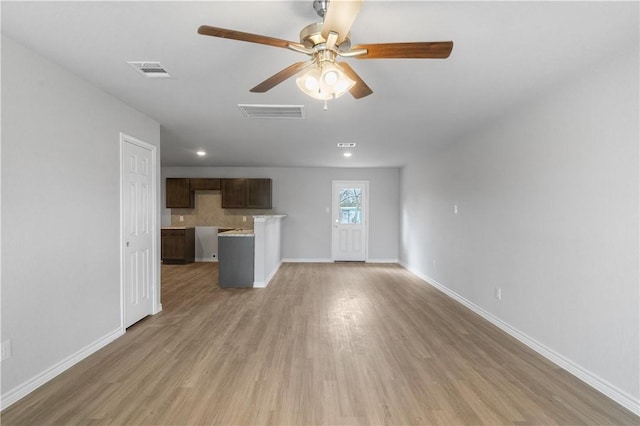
(455,209)
(244,218)
(181,218)
(498,293)
(6,349)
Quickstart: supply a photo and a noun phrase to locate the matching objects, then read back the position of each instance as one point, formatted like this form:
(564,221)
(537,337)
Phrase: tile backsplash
(208,211)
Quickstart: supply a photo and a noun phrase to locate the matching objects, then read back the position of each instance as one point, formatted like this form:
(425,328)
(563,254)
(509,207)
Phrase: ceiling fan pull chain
(326,107)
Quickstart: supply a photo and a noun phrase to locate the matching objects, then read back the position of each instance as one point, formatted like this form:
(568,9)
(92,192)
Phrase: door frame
(153,220)
(365,216)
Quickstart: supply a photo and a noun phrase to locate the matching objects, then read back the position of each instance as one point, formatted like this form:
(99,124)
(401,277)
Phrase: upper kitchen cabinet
(246,193)
(234,193)
(179,194)
(259,193)
(204,184)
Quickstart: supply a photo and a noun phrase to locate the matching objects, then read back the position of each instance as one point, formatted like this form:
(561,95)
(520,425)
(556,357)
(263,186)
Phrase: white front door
(138,230)
(350,220)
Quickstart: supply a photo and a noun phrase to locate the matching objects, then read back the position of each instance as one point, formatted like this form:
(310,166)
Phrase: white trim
(325,260)
(155,257)
(22,390)
(157,308)
(205,259)
(618,395)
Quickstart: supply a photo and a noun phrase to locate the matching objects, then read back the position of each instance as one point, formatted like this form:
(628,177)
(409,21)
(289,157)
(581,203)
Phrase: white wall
(61,214)
(548,211)
(304,195)
(268,248)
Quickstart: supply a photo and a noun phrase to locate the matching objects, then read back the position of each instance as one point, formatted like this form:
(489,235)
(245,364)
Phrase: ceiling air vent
(272,111)
(150,69)
(346,144)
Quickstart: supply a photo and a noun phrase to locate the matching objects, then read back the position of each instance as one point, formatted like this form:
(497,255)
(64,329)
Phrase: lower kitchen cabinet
(178,245)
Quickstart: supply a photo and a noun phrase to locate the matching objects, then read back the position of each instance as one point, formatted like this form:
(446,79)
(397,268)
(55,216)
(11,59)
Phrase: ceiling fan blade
(239,35)
(436,50)
(360,89)
(281,76)
(340,17)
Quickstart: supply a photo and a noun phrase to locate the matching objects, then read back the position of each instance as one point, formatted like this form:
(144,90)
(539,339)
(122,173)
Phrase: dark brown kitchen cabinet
(238,193)
(204,184)
(259,193)
(179,193)
(234,193)
(178,245)
(246,193)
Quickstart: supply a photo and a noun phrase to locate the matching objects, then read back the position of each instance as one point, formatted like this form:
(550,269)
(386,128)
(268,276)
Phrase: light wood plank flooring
(330,344)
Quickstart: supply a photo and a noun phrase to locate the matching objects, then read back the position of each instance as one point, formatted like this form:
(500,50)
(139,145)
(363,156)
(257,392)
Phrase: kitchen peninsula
(250,258)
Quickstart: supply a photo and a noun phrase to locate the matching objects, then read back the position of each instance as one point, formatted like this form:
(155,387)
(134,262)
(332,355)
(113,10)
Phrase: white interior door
(350,220)
(139,230)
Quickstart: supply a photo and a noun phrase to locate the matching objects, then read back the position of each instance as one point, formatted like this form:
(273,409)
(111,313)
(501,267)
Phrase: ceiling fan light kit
(326,80)
(322,77)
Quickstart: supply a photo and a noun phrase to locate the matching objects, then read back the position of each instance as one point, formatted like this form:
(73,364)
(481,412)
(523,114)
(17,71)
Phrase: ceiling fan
(325,78)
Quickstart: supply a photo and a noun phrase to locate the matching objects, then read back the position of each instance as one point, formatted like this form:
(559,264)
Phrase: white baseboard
(157,309)
(593,380)
(323,260)
(205,259)
(320,260)
(32,384)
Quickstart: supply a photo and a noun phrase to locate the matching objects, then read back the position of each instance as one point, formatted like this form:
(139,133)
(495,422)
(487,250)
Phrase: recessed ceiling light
(347,154)
(201,153)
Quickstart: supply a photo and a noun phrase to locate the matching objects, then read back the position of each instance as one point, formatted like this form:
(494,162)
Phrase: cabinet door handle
(127,243)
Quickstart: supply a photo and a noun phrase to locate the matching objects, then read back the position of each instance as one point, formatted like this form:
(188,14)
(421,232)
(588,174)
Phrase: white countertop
(265,217)
(237,233)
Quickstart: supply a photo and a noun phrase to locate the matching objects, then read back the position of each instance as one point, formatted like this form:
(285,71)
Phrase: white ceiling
(504,54)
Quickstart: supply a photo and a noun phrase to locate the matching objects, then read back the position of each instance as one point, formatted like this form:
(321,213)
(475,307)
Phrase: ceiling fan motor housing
(311,37)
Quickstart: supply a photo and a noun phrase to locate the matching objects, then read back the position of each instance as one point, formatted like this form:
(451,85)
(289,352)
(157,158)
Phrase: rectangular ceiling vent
(346,144)
(150,69)
(272,111)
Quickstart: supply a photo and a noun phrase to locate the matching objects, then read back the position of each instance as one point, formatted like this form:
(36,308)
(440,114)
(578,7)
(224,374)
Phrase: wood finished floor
(330,344)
